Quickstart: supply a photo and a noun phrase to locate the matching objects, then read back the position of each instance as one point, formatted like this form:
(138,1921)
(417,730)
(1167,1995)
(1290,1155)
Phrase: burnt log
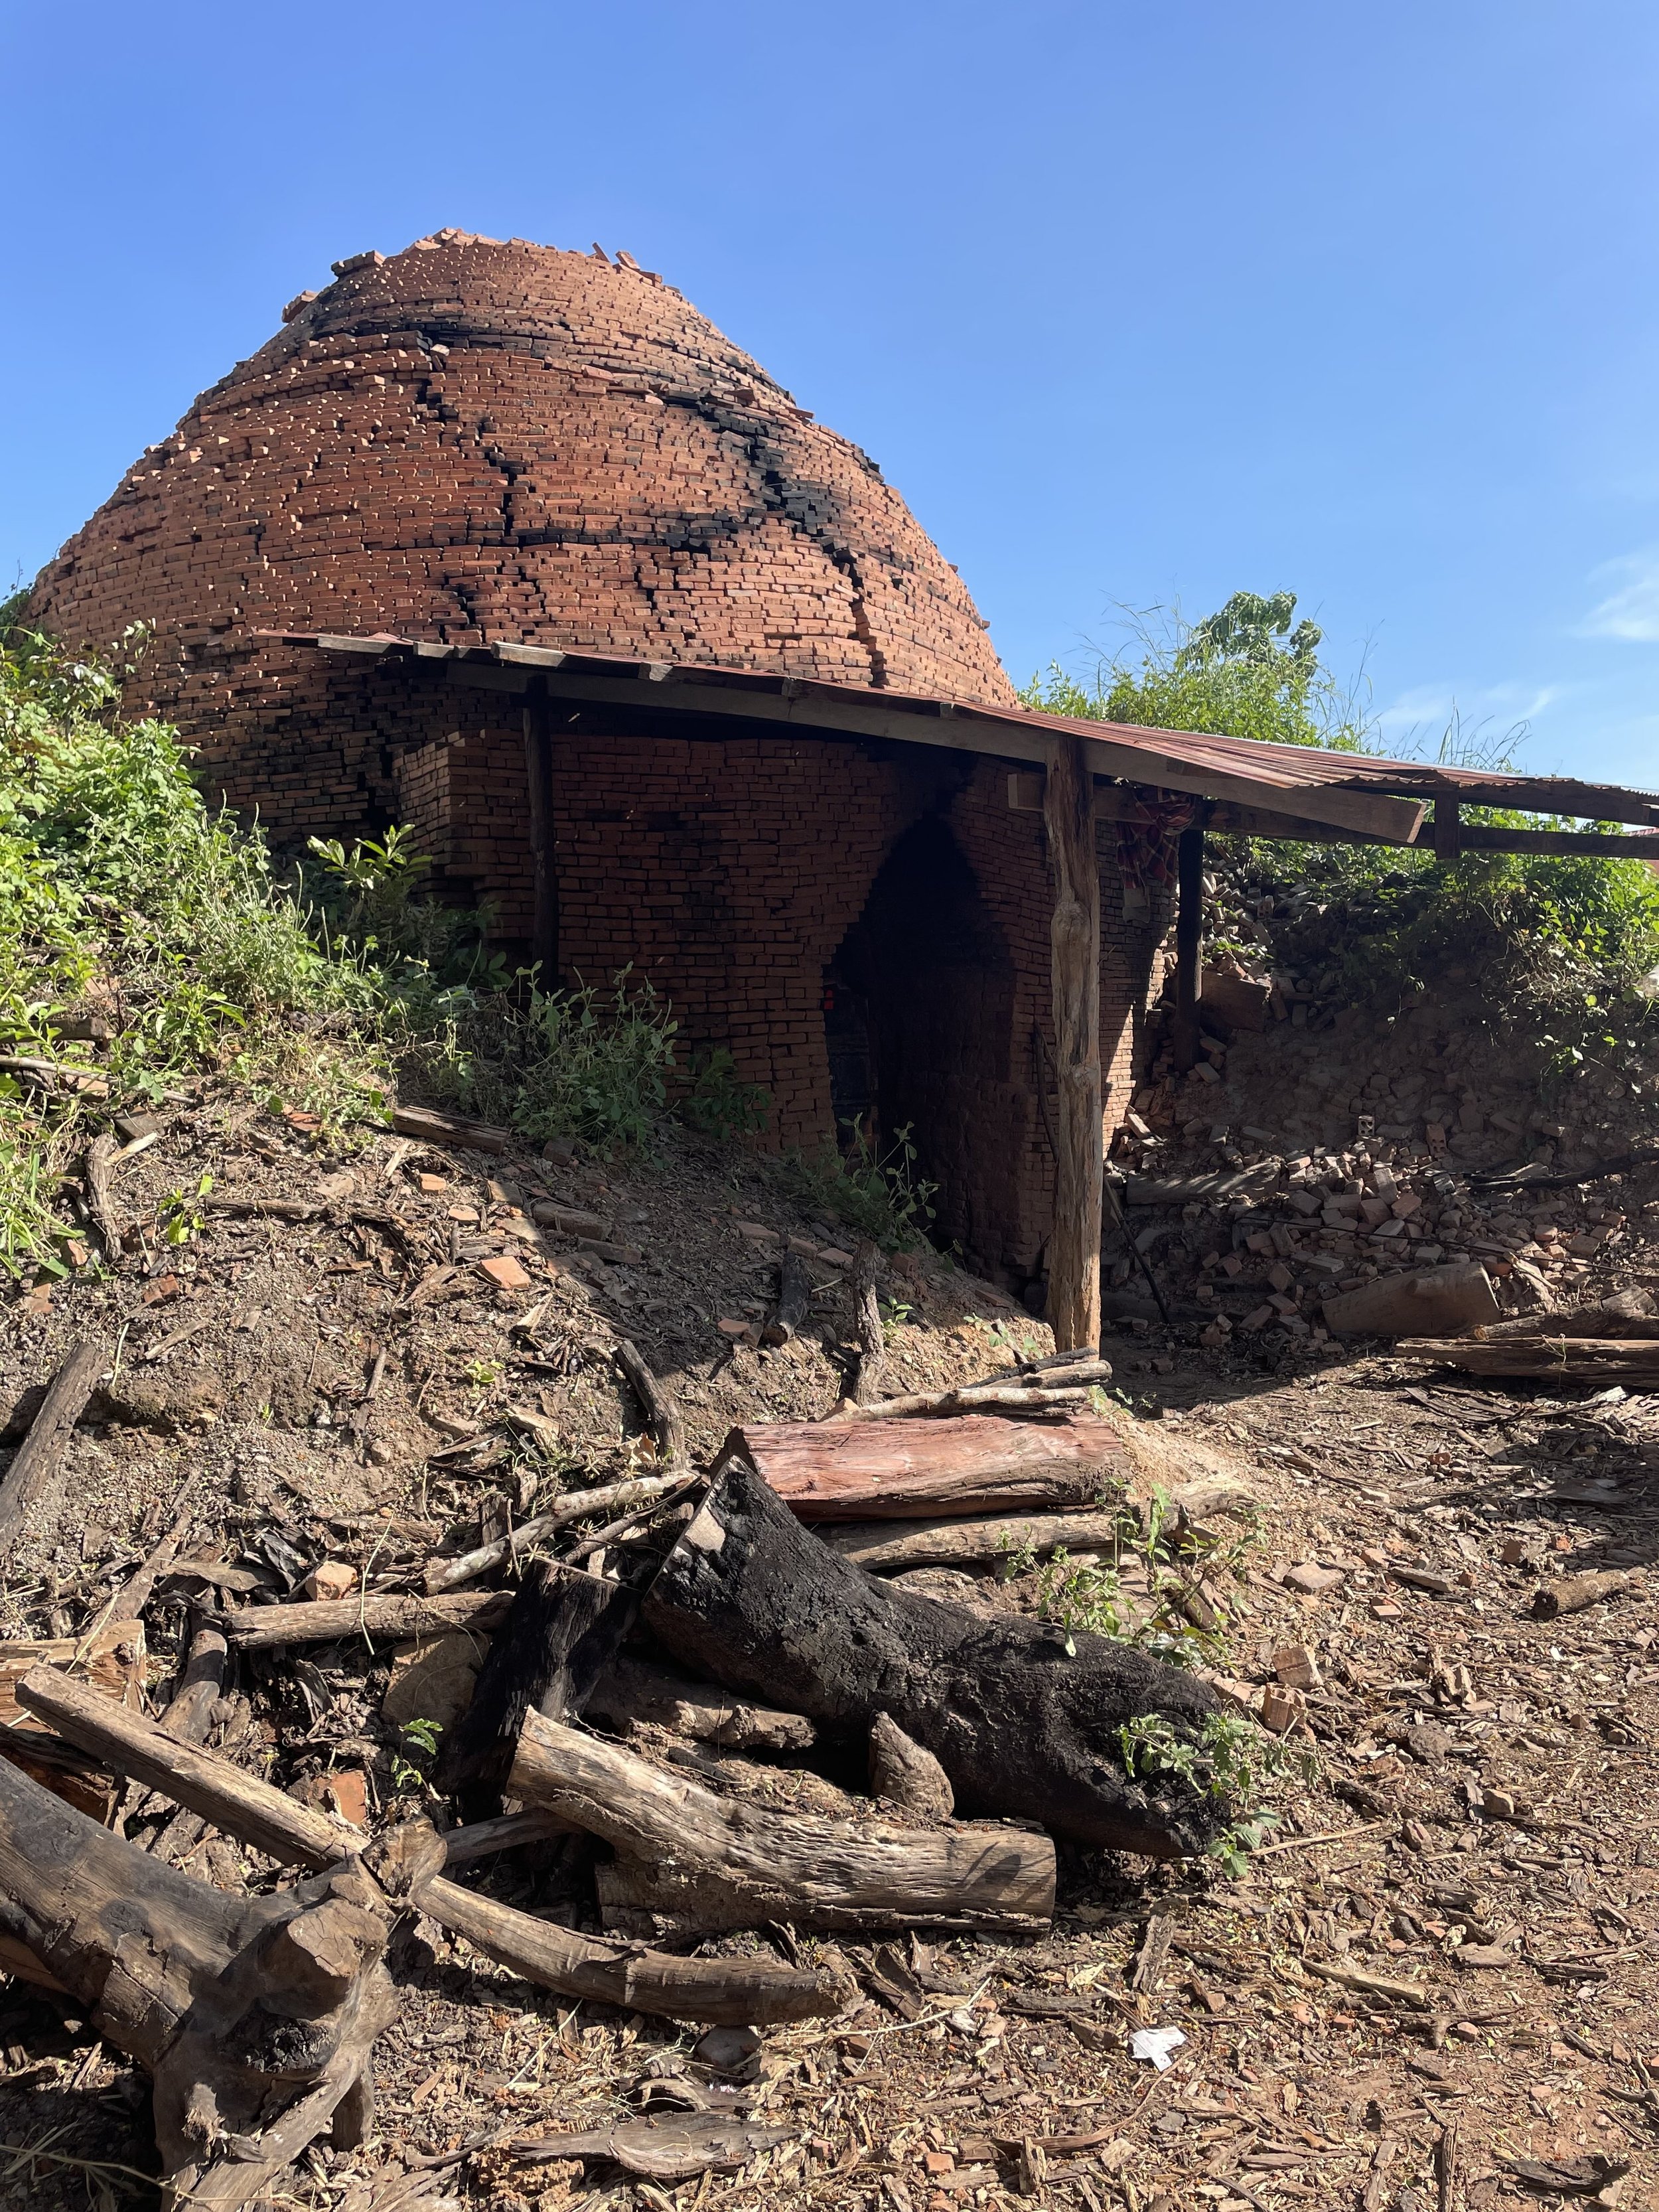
(564,1629)
(863,1382)
(1023,1718)
(35,1477)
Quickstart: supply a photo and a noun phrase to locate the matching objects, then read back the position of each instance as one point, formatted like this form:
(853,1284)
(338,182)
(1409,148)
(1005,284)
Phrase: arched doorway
(919,1016)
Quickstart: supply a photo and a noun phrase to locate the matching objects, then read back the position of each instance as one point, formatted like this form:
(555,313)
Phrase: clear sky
(1137,304)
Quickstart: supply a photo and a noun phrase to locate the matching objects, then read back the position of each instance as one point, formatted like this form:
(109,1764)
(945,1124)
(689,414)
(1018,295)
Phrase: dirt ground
(1482,1841)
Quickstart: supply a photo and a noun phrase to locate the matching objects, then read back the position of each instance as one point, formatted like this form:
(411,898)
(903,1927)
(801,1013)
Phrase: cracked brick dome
(475,442)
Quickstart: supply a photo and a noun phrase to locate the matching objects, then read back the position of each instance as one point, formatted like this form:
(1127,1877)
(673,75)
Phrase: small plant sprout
(181,1214)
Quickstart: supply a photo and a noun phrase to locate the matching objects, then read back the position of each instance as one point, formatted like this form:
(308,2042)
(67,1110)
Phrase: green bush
(879,1193)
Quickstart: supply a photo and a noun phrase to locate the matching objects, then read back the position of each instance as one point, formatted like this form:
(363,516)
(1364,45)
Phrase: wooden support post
(538,778)
(1068,816)
(1448,828)
(1189,943)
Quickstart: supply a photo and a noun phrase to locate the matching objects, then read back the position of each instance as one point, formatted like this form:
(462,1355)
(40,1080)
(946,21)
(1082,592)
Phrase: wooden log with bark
(856,1470)
(1578,1593)
(435,1127)
(324,1621)
(863,1383)
(32,1480)
(255,2017)
(98,1171)
(707,1861)
(721,1991)
(1068,819)
(657,1403)
(787,1316)
(632,1690)
(1627,1316)
(1023,1718)
(1632,1361)
(888,1547)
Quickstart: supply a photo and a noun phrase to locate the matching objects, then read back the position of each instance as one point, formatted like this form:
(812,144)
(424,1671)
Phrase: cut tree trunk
(255,2017)
(33,1480)
(859,1469)
(1020,1723)
(1629,1316)
(662,1414)
(709,1862)
(324,1621)
(1068,818)
(1578,1593)
(865,1384)
(1401,1305)
(789,1309)
(722,1991)
(1561,1358)
(564,1630)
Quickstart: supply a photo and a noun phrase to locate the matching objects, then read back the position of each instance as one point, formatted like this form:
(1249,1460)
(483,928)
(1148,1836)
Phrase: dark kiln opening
(928,968)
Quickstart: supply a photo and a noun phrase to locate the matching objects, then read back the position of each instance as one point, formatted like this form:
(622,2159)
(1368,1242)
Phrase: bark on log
(1448,1298)
(450,1574)
(32,1478)
(864,1384)
(723,1991)
(856,1470)
(568,1220)
(255,2016)
(1068,818)
(727,1863)
(436,1129)
(1559,1359)
(662,1414)
(1629,1316)
(789,1308)
(483,1840)
(1020,1723)
(632,1691)
(189,1712)
(740,1992)
(563,1631)
(886,1548)
(1576,1593)
(99,1170)
(1034,1400)
(324,1621)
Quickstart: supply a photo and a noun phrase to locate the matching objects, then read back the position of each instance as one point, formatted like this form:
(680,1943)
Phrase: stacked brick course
(475,443)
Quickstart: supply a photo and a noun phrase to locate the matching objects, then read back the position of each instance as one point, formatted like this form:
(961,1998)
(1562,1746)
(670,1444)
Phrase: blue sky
(1136,303)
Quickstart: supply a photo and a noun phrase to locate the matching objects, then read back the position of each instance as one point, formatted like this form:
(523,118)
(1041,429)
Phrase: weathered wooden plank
(1074,968)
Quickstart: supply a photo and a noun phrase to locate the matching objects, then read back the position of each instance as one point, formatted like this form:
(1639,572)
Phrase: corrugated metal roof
(1358,790)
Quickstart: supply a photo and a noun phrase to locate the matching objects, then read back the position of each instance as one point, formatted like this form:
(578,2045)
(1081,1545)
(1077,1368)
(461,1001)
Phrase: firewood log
(723,1991)
(255,2017)
(862,1469)
(1020,1723)
(34,1477)
(731,1862)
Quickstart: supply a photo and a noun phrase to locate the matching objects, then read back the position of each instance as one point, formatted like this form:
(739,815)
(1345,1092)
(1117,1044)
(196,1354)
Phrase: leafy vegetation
(1241,672)
(1229,1760)
(147,940)
(877,1193)
(1576,939)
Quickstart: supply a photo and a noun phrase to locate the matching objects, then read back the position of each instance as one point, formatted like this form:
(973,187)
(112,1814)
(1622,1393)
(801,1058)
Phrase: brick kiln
(474,443)
(512,545)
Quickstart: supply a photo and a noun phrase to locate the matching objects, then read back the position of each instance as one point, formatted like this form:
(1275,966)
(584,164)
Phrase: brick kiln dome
(476,442)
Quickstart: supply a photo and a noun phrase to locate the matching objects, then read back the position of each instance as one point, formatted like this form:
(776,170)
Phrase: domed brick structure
(474,442)
(411,562)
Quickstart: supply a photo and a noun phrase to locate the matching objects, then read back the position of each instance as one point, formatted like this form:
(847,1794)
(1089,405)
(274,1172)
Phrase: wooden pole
(1448,828)
(1068,816)
(1189,943)
(538,778)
